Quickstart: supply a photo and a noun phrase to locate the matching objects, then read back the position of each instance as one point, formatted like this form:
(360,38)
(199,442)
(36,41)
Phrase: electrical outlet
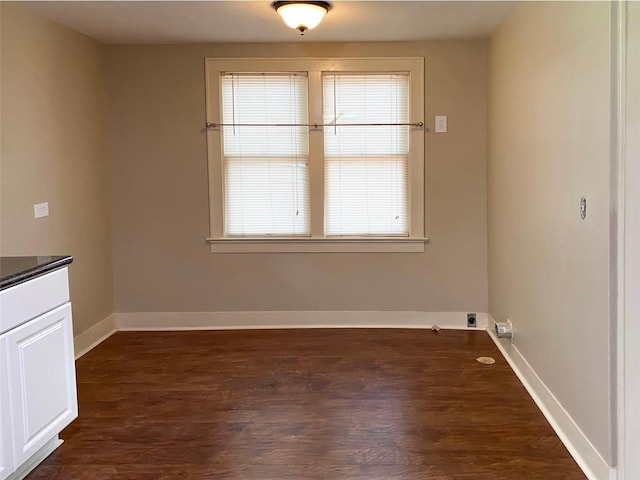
(471,320)
(441,124)
(41,210)
(504,330)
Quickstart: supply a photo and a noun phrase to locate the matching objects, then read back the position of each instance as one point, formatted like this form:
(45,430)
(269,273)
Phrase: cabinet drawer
(27,300)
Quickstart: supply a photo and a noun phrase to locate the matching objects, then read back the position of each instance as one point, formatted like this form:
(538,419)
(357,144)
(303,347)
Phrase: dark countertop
(15,270)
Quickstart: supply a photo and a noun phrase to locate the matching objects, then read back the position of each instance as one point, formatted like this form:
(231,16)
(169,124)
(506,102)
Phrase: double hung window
(366,158)
(265,166)
(316,154)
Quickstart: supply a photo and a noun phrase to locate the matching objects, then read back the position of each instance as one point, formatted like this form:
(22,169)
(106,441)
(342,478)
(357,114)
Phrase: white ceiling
(256,21)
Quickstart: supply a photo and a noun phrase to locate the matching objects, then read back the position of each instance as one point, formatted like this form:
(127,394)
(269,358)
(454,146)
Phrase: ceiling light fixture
(302,15)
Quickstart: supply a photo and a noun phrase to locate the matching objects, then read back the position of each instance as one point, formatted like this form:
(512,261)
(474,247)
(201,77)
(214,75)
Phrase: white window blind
(366,190)
(266,179)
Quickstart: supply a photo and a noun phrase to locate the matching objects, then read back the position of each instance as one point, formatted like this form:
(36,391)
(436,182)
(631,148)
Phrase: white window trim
(317,242)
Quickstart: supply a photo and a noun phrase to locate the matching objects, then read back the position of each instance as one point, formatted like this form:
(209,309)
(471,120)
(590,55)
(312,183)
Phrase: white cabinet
(42,380)
(37,371)
(6,453)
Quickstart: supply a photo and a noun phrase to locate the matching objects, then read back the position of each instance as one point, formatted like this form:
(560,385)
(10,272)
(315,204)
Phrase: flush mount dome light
(302,15)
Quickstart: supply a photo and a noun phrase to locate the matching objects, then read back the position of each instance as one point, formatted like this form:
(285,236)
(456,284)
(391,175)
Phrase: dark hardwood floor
(304,404)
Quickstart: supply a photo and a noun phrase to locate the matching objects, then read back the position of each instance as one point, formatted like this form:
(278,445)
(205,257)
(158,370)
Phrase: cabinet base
(37,458)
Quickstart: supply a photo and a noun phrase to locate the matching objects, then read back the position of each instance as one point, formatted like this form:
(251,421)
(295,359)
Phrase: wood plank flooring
(304,404)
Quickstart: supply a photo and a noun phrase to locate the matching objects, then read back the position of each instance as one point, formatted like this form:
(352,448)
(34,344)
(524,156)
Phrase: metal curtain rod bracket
(314,125)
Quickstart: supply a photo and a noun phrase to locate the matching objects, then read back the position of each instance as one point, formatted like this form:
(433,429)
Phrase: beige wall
(549,121)
(54,149)
(160,202)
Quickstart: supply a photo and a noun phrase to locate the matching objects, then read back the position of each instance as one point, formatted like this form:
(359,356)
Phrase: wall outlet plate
(504,330)
(41,210)
(471,320)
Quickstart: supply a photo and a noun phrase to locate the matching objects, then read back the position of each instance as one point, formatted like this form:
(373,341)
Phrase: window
(315,155)
(366,165)
(265,168)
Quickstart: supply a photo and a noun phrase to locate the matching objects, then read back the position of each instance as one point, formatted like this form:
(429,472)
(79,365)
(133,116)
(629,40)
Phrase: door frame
(626,165)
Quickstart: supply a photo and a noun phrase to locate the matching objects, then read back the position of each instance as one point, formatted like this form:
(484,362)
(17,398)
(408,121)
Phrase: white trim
(579,446)
(153,321)
(317,245)
(94,336)
(617,233)
(629,238)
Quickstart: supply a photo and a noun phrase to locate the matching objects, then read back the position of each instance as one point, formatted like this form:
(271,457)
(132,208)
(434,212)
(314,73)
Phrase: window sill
(318,245)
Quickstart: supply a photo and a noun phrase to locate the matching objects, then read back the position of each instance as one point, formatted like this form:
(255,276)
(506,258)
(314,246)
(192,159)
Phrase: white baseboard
(579,446)
(145,321)
(97,334)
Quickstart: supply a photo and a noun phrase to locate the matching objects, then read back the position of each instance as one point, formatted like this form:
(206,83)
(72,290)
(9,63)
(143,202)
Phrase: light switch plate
(441,124)
(41,210)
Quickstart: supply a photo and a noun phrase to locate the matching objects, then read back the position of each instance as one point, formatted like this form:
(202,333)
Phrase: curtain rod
(314,125)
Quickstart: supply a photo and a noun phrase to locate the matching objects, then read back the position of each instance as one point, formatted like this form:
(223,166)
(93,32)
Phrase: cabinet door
(42,380)
(6,455)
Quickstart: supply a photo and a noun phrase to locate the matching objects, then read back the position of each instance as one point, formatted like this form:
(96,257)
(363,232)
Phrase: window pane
(366,196)
(266,196)
(266,173)
(366,166)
